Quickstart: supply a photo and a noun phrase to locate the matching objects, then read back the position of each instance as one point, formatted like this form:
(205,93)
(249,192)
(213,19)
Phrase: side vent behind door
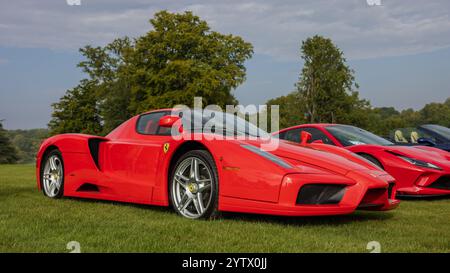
(94,148)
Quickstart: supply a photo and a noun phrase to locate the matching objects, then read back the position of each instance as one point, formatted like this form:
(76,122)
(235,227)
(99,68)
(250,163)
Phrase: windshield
(350,135)
(221,123)
(441,130)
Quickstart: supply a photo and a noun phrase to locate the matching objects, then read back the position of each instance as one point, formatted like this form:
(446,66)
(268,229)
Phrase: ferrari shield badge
(166,147)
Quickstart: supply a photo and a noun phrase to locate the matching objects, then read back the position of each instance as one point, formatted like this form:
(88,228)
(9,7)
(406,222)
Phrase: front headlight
(419,163)
(269,156)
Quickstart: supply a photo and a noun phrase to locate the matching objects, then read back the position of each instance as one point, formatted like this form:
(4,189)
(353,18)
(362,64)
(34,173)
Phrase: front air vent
(390,190)
(320,194)
(443,183)
(373,199)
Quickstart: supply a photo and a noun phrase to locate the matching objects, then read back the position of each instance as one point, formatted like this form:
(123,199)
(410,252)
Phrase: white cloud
(275,28)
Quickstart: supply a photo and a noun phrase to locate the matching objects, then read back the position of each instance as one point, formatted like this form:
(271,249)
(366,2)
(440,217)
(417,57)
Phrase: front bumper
(428,184)
(361,192)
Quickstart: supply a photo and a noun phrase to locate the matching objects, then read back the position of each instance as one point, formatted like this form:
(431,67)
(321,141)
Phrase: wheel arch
(40,160)
(180,150)
(49,149)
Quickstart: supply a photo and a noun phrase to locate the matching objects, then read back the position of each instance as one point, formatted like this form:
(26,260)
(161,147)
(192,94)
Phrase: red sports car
(418,170)
(199,174)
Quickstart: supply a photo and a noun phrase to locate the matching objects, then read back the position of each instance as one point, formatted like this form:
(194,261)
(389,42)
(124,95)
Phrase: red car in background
(418,170)
(198,175)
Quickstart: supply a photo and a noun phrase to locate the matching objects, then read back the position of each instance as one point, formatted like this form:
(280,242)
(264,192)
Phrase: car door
(134,161)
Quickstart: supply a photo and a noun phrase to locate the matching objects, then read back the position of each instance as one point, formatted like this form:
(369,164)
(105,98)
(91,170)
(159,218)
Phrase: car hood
(429,154)
(436,156)
(326,160)
(441,146)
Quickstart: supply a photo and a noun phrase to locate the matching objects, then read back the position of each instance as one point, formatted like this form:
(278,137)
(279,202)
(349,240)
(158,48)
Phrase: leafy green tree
(27,143)
(326,84)
(386,112)
(77,111)
(181,57)
(436,113)
(381,120)
(108,68)
(325,91)
(384,120)
(290,110)
(447,102)
(8,153)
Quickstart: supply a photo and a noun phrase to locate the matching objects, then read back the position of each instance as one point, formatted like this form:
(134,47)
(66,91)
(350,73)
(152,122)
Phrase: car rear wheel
(52,175)
(194,186)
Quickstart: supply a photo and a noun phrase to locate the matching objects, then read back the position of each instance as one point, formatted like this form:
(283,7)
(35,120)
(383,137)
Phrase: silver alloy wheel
(53,176)
(192,187)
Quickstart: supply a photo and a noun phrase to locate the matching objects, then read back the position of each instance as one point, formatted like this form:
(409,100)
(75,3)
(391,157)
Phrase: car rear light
(320,194)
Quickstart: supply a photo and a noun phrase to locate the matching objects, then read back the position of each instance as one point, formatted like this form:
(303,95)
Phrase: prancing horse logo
(166,147)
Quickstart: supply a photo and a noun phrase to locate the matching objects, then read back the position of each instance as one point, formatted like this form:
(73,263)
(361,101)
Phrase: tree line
(181,57)
(8,153)
(327,93)
(20,146)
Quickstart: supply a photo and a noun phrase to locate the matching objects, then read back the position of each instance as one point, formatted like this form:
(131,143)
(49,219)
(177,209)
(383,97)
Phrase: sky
(400,50)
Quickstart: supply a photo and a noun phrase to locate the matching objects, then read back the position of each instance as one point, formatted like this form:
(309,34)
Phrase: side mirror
(305,137)
(426,141)
(168,121)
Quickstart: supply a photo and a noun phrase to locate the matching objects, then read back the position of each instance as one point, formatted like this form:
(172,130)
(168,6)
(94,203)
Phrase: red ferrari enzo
(199,175)
(418,170)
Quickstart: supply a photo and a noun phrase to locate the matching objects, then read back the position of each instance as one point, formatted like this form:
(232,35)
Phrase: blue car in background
(432,135)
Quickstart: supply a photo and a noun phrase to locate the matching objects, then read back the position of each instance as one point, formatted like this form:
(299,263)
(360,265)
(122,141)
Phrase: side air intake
(88,187)
(94,148)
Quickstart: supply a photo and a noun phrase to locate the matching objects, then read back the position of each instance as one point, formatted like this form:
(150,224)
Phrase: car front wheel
(52,175)
(194,185)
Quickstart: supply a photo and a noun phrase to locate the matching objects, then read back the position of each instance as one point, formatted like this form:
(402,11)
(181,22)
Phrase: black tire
(60,191)
(372,159)
(211,211)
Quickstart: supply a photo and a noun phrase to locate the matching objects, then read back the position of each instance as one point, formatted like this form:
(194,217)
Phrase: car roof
(156,110)
(317,125)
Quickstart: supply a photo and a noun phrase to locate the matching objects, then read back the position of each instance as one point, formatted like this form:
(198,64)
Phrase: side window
(410,135)
(318,135)
(424,134)
(281,135)
(294,135)
(148,124)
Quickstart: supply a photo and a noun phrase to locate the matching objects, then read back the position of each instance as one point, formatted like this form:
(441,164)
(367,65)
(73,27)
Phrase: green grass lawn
(30,222)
